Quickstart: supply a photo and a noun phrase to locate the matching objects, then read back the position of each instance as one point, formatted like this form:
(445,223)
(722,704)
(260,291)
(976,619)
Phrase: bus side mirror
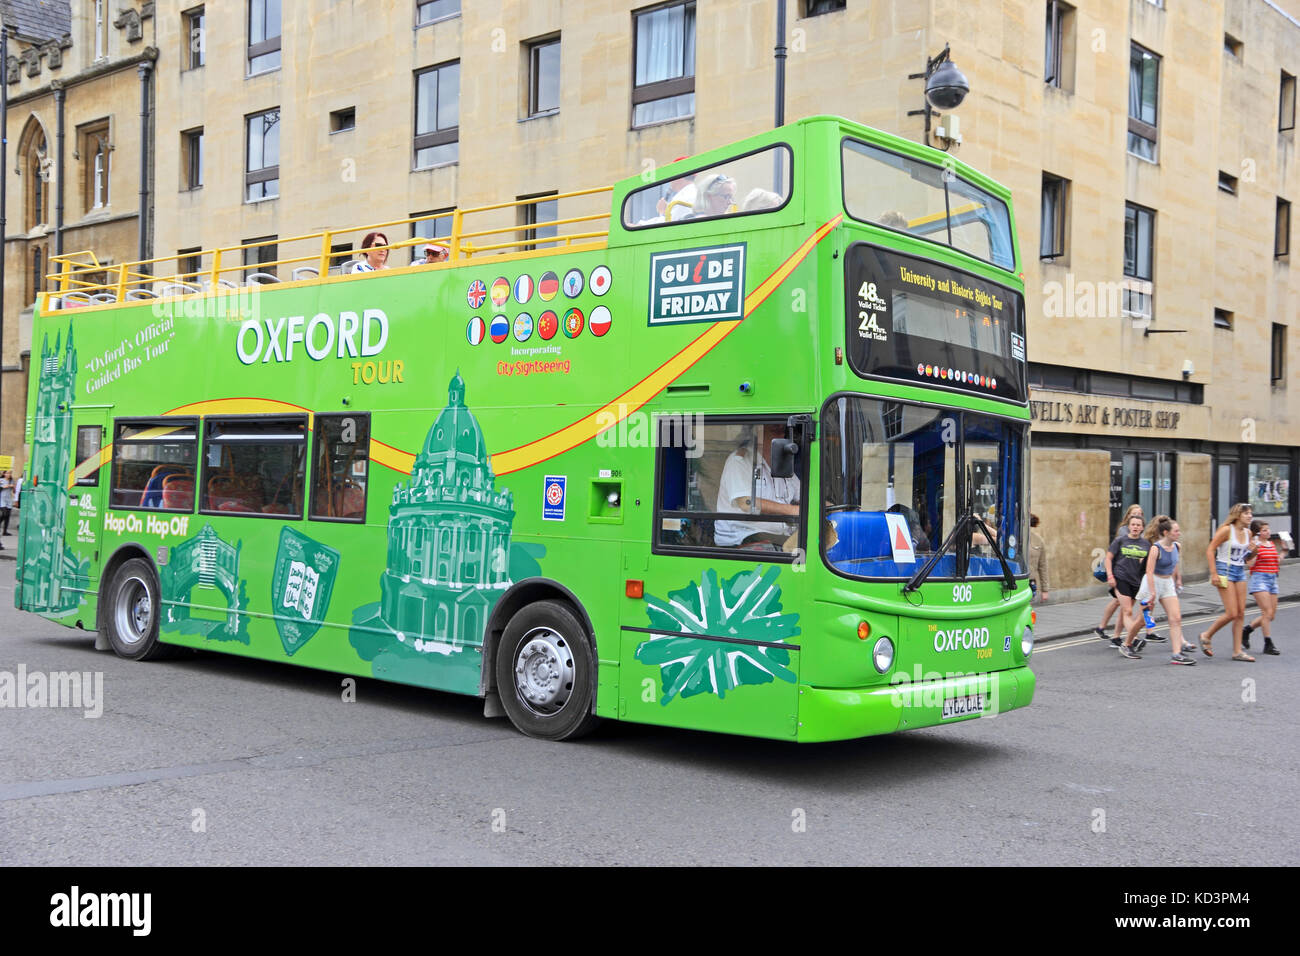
(782,457)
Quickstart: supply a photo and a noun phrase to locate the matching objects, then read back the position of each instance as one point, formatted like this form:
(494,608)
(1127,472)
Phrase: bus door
(85,483)
(713,643)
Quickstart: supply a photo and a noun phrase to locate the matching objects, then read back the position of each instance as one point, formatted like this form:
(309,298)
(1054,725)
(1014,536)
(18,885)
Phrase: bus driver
(747,487)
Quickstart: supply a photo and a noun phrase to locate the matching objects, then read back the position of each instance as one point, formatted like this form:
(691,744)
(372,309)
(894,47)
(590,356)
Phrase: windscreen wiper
(971,518)
(919,577)
(1008,577)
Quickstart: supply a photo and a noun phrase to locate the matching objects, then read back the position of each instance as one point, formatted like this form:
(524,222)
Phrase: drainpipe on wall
(58,171)
(145,71)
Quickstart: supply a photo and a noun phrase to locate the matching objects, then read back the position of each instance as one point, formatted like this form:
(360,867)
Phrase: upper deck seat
(152,496)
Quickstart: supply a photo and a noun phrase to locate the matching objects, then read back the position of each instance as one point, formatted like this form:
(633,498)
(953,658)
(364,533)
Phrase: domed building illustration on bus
(448,559)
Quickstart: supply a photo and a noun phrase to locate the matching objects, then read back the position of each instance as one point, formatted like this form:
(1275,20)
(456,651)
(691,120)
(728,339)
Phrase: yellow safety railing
(82,281)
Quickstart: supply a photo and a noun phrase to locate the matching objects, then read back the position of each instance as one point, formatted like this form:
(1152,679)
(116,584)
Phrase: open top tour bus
(741,446)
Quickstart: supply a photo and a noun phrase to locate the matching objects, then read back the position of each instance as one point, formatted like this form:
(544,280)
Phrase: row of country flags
(547,287)
(957,375)
(547,325)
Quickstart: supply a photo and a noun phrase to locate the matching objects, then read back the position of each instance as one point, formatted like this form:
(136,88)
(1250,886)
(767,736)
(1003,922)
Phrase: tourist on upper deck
(373,258)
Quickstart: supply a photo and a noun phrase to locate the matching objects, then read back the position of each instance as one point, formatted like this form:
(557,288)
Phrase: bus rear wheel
(131,612)
(546,672)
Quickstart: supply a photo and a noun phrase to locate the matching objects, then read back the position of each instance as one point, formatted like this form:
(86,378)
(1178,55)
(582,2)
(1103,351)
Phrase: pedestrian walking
(1262,585)
(1162,579)
(6,502)
(1227,554)
(1113,606)
(1124,566)
(1037,560)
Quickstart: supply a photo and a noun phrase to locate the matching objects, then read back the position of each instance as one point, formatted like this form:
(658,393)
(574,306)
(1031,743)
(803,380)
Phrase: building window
(37,277)
(1139,251)
(1286,103)
(1232,46)
(263,36)
(544,77)
(189,263)
(1282,242)
(95,153)
(1058,54)
(428,11)
(1227,183)
(343,120)
(1055,196)
(664,82)
(262,174)
(195,38)
(36,167)
(1223,319)
(1277,363)
(192,158)
(1143,94)
(101,29)
(436,228)
(437,116)
(259,255)
(540,210)
(815,8)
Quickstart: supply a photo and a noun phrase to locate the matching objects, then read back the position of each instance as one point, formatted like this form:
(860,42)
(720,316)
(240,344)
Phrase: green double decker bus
(742,448)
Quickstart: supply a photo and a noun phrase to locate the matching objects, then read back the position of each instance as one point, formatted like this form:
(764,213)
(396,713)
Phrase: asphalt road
(218,760)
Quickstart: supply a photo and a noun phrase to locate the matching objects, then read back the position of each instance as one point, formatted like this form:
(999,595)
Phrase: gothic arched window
(36,166)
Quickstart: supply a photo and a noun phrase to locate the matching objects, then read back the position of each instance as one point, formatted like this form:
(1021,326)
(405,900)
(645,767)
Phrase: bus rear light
(864,630)
(634,589)
(1033,617)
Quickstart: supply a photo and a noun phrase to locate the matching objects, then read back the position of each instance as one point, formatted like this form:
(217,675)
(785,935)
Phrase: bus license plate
(963,706)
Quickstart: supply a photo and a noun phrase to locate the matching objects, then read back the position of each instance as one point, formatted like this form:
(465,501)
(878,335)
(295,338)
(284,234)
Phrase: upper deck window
(758,182)
(886,189)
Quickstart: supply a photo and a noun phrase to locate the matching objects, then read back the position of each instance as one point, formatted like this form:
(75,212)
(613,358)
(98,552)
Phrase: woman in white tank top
(1226,556)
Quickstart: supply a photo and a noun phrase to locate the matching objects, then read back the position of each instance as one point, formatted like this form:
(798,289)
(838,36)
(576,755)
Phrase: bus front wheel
(546,671)
(131,612)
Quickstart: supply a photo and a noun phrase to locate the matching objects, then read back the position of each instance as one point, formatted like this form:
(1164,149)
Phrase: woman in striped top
(1263,585)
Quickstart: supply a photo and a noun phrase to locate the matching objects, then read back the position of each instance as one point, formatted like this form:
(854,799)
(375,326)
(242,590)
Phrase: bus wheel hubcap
(134,612)
(544,672)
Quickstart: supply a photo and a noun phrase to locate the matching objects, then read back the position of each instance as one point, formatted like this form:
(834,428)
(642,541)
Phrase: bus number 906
(960,593)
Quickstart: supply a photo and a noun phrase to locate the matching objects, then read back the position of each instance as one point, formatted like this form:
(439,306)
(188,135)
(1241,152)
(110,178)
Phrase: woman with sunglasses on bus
(373,257)
(1226,555)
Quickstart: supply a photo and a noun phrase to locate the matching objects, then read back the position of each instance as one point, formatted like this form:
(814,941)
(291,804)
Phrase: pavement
(1066,618)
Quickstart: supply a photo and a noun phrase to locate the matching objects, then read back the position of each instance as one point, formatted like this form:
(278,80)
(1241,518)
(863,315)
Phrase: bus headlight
(882,655)
(1027,642)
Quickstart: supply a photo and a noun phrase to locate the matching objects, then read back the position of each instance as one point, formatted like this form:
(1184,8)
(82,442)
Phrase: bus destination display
(922,322)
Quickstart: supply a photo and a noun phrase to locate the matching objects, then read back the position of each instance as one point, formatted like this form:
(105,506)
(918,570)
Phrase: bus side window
(254,465)
(340,467)
(145,455)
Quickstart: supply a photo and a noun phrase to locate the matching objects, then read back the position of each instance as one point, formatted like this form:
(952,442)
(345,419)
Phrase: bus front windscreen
(898,477)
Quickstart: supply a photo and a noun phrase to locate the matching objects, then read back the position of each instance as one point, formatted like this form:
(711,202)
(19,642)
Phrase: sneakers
(1271,648)
(1129,652)
(1245,636)
(1155,638)
(1101,633)
(1116,641)
(1139,643)
(1181,659)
